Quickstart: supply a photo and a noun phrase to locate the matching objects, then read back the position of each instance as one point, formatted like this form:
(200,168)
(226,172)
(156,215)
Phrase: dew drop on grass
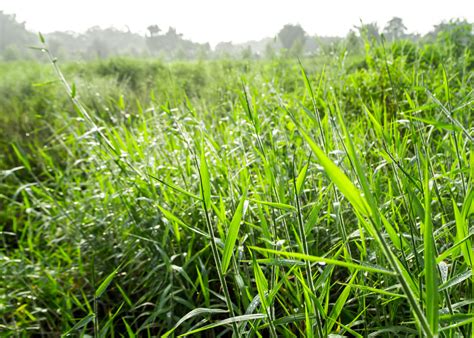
(443,269)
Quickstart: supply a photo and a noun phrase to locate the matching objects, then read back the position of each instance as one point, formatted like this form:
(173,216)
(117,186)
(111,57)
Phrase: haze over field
(214,21)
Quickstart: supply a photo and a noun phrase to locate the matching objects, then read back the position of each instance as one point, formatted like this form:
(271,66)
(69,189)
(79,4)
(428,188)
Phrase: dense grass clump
(263,198)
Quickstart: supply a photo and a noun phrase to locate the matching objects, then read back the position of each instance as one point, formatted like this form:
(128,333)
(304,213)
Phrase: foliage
(260,197)
(395,29)
(292,36)
(291,40)
(457,34)
(369,31)
(172,44)
(14,38)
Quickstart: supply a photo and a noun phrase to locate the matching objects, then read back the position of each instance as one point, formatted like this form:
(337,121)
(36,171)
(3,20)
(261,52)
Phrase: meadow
(331,195)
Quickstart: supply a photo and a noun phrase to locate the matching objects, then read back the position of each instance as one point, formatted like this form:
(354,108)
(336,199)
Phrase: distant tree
(66,44)
(172,45)
(154,30)
(269,51)
(457,35)
(11,53)
(102,43)
(395,29)
(98,44)
(247,53)
(329,45)
(172,33)
(353,42)
(298,47)
(369,31)
(290,35)
(311,45)
(225,49)
(152,41)
(14,37)
(180,54)
(173,38)
(203,51)
(171,41)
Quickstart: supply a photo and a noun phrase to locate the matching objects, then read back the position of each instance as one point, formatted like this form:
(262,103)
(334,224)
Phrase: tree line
(291,40)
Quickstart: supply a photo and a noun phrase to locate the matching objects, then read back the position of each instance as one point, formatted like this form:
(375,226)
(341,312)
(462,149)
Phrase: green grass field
(332,195)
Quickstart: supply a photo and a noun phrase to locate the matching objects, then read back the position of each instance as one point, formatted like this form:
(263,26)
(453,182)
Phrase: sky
(233,20)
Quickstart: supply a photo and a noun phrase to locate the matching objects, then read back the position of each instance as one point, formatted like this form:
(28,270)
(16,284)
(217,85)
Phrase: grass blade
(80,324)
(431,268)
(316,259)
(339,178)
(191,314)
(105,284)
(233,234)
(205,181)
(232,320)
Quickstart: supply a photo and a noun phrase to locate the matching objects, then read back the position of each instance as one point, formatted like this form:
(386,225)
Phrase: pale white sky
(233,20)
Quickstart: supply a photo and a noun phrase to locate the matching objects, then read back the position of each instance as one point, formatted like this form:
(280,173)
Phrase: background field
(284,197)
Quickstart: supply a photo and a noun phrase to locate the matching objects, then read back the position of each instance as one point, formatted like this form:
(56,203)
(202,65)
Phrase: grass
(259,198)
